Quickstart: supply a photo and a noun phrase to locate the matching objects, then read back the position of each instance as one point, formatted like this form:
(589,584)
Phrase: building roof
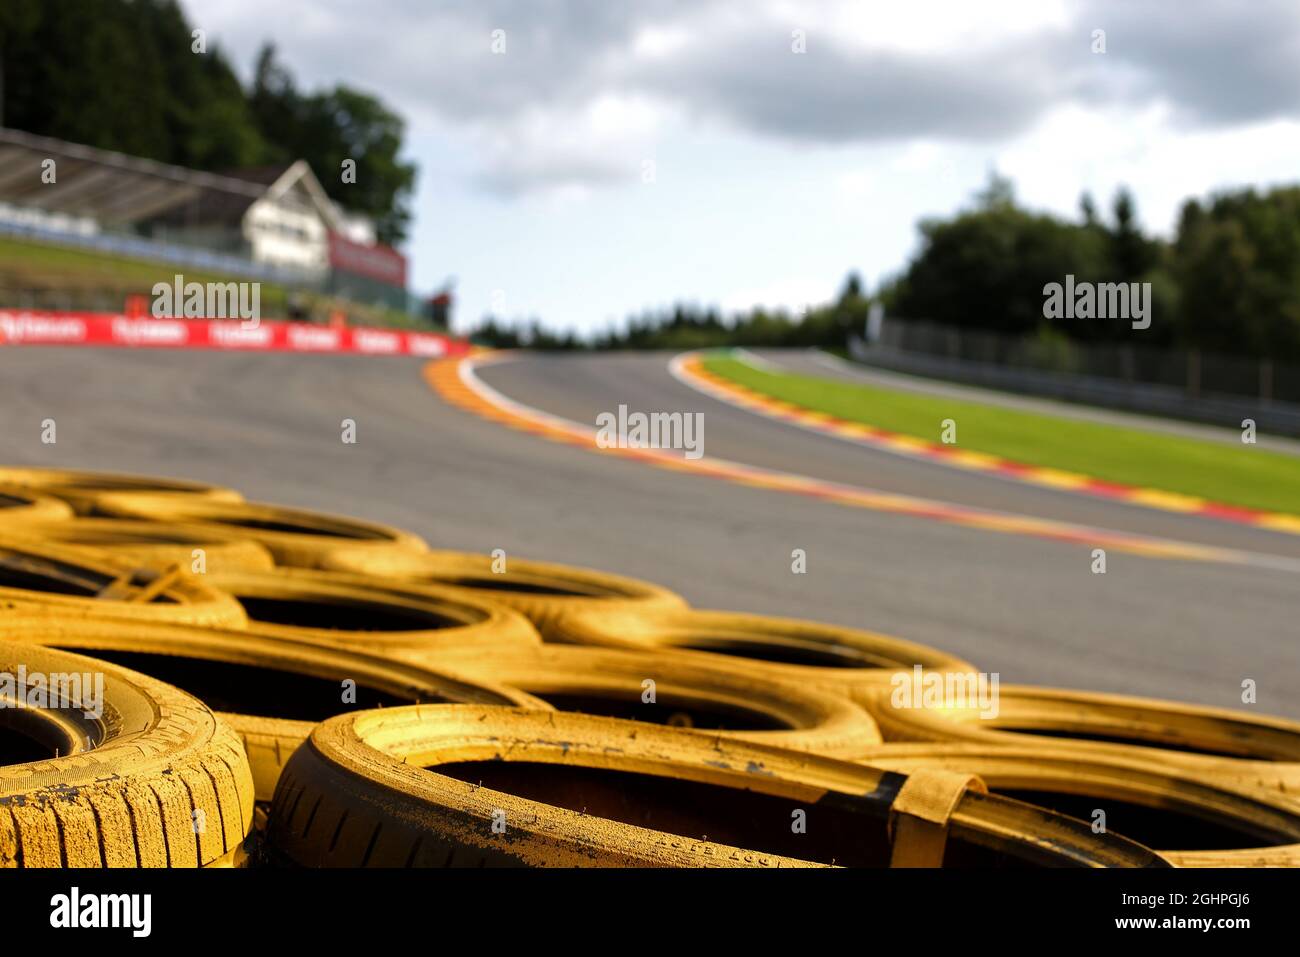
(265,175)
(115,189)
(112,188)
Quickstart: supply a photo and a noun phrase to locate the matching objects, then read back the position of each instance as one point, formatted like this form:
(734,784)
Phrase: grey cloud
(524,172)
(1218,62)
(834,95)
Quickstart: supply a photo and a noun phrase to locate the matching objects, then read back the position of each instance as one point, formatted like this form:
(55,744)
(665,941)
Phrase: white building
(275,219)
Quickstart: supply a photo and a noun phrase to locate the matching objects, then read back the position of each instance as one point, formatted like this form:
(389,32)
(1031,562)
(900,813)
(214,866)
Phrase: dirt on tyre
(1193,820)
(681,692)
(270,690)
(466,785)
(154,779)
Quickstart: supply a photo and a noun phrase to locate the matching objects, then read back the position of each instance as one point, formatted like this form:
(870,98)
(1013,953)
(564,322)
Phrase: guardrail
(1281,418)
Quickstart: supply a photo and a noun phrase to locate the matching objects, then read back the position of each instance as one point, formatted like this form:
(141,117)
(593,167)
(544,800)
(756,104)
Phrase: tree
(998,193)
(1088,209)
(332,126)
(986,269)
(1131,252)
(1237,262)
(122,75)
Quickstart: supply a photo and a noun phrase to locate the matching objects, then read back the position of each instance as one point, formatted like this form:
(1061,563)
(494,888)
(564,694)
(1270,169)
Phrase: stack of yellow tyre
(190,679)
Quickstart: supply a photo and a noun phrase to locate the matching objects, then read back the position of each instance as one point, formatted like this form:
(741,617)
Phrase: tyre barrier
(295,537)
(374,702)
(414,622)
(1227,746)
(676,691)
(165,783)
(439,785)
(849,661)
(1220,824)
(270,690)
(82,489)
(209,547)
(19,504)
(542,591)
(35,575)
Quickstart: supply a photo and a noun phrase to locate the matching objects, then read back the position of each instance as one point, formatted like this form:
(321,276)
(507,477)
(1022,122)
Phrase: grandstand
(82,227)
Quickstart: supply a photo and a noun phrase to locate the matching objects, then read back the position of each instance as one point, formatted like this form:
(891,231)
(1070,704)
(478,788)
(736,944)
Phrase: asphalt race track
(1028,608)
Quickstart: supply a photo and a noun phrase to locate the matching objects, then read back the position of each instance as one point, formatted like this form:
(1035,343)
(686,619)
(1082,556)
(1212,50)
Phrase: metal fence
(172,254)
(1214,388)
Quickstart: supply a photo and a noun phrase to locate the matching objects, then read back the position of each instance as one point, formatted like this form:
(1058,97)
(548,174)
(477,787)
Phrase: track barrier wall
(53,328)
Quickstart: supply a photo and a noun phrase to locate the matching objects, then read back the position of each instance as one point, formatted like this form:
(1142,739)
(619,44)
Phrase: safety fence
(31,327)
(1190,384)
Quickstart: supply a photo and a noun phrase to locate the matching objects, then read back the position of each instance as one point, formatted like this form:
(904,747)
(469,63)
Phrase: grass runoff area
(29,264)
(1247,475)
(26,264)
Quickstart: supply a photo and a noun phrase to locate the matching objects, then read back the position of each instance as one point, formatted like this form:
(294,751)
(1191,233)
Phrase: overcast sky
(621,154)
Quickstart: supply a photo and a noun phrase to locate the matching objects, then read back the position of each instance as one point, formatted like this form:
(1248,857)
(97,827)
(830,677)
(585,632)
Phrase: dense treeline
(1229,281)
(986,267)
(124,75)
(687,326)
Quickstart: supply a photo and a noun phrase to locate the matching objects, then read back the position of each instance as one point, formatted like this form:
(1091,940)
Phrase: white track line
(1210,553)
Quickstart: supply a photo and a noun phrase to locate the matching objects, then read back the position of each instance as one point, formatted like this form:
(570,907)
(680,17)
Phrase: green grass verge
(26,264)
(29,265)
(1245,475)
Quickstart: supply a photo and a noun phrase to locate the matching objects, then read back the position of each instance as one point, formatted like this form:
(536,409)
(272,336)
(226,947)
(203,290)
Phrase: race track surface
(1027,608)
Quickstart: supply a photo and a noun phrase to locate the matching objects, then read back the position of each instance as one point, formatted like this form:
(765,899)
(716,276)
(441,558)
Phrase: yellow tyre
(1219,744)
(198,548)
(82,489)
(296,537)
(39,577)
(272,691)
(542,591)
(674,690)
(1287,856)
(1161,806)
(19,504)
(850,661)
(467,785)
(155,780)
(385,618)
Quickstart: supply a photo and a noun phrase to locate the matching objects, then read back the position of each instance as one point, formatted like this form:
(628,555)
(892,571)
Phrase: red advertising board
(380,263)
(49,328)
